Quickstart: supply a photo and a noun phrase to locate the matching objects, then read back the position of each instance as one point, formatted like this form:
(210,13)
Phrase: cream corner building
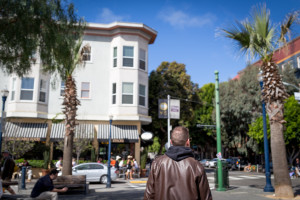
(113,82)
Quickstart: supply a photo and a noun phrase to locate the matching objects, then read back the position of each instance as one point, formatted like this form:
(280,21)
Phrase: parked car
(95,172)
(205,162)
(213,162)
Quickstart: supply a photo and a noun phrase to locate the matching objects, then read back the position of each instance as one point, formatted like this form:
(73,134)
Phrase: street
(243,185)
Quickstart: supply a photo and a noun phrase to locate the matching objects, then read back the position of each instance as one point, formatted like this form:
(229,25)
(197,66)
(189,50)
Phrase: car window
(95,166)
(82,167)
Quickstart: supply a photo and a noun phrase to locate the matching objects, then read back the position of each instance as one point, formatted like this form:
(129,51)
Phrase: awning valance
(25,131)
(119,133)
(85,131)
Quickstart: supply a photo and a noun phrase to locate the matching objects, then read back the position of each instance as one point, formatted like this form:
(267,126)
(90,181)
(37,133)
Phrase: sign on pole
(174,109)
(162,108)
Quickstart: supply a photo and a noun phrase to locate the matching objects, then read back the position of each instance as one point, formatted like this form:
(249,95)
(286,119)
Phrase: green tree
(172,79)
(18,148)
(28,27)
(258,37)
(240,105)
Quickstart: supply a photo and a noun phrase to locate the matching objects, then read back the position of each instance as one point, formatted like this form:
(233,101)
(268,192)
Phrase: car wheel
(103,179)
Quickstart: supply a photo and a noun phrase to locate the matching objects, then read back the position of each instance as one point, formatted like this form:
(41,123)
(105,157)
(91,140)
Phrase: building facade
(112,84)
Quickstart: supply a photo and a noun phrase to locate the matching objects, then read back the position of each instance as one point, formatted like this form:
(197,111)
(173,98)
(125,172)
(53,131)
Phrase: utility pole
(218,127)
(169,107)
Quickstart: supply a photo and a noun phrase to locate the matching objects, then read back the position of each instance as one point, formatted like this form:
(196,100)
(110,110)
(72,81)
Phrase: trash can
(225,175)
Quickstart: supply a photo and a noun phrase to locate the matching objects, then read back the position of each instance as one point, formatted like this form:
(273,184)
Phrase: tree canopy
(28,27)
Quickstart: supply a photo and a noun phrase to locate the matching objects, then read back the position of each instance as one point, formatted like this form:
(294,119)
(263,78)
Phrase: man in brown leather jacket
(177,175)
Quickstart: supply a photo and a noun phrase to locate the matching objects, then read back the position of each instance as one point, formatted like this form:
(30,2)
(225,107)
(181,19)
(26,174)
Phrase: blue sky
(187,30)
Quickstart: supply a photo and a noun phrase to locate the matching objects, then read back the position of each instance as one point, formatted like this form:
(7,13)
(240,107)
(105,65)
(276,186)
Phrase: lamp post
(268,187)
(4,97)
(108,183)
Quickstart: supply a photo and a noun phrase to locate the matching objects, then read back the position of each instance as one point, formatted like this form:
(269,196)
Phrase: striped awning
(119,133)
(25,131)
(84,131)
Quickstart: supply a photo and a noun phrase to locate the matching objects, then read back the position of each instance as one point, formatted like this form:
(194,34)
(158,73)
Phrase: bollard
(23,184)
(257,168)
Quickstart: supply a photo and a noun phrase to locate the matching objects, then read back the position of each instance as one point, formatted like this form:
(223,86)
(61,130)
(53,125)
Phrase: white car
(95,172)
(213,162)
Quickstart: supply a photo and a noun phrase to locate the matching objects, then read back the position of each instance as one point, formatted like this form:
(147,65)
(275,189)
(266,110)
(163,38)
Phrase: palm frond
(287,25)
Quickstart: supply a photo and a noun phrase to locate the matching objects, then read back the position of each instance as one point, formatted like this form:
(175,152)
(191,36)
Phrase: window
(114,93)
(62,89)
(142,59)
(298,61)
(115,59)
(96,166)
(127,93)
(85,90)
(86,53)
(27,87)
(43,88)
(142,95)
(13,89)
(127,56)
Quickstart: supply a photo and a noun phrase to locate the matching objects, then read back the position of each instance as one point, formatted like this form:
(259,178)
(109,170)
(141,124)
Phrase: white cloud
(107,16)
(180,19)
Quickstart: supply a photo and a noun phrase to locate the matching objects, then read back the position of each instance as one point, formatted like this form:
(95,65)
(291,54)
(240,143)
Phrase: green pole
(218,127)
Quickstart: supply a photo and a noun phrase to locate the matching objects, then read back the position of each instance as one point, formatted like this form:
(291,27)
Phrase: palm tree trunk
(274,94)
(282,181)
(70,107)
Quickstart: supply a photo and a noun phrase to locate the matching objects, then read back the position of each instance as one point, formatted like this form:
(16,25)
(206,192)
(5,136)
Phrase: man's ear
(171,142)
(187,144)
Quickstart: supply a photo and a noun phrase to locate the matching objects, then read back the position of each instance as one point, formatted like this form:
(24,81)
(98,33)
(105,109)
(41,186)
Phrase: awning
(119,133)
(84,131)
(25,131)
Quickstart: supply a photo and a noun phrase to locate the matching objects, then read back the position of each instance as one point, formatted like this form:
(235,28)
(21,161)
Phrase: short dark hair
(53,171)
(179,136)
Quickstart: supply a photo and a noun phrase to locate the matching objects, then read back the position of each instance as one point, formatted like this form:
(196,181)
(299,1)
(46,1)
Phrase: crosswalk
(211,181)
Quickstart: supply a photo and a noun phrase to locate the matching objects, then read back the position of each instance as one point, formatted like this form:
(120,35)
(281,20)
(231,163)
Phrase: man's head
(5,153)
(180,136)
(53,174)
(297,160)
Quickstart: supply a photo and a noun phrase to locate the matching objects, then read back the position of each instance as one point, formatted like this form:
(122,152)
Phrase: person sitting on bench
(44,189)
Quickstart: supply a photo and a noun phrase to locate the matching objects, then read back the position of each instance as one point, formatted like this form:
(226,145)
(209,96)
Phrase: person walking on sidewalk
(7,170)
(44,189)
(176,174)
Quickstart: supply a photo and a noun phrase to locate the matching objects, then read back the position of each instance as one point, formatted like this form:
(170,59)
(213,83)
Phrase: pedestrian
(129,167)
(44,189)
(58,164)
(176,174)
(74,162)
(7,170)
(99,160)
(28,169)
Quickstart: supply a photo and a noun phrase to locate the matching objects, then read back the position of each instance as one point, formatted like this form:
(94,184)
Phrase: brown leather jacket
(170,179)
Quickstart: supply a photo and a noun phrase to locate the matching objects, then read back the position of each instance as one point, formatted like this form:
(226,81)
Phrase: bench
(72,182)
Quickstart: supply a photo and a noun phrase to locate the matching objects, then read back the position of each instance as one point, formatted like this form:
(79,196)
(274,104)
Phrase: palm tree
(67,56)
(258,37)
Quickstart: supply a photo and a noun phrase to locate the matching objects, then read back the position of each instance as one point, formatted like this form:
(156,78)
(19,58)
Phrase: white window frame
(127,94)
(43,90)
(13,89)
(62,88)
(114,94)
(128,57)
(115,57)
(141,59)
(82,90)
(88,54)
(298,61)
(26,89)
(142,95)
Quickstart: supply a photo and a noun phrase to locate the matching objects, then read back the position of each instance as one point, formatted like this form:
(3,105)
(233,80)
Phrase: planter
(45,172)
(143,172)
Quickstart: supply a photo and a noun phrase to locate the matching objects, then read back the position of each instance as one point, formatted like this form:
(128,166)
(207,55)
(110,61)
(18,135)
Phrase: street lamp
(108,183)
(4,97)
(268,187)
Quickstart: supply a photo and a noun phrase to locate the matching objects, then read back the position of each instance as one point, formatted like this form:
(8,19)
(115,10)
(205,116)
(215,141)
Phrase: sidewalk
(122,189)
